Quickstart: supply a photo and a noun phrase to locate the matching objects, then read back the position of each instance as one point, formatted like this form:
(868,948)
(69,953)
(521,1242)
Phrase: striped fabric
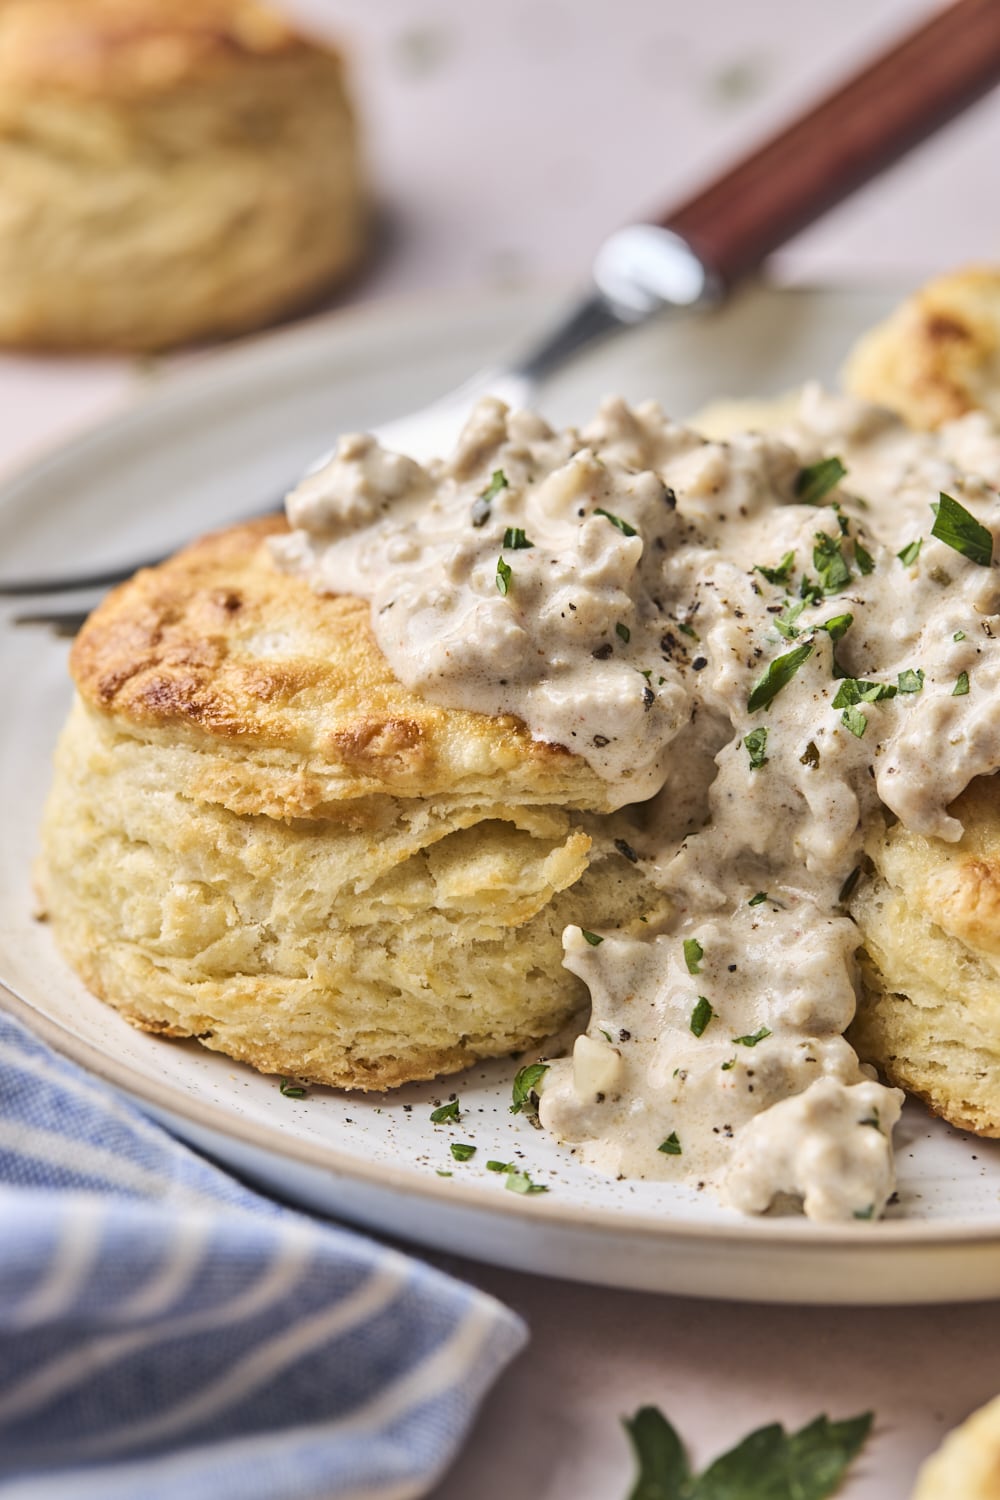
(164,1332)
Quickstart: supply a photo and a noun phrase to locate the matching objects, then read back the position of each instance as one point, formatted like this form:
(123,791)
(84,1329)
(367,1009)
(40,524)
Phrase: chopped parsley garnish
(959,530)
(817,480)
(758,900)
(854,720)
(701,1015)
(462,1151)
(911,680)
(520,1182)
(623,633)
(838,627)
(504,574)
(854,690)
(961,685)
(671,1146)
(810,756)
(593,938)
(778,675)
(752,1039)
(863,558)
(482,506)
(785,623)
(781,573)
(442,1173)
(865,1213)
(830,564)
(726,1066)
(847,889)
(290,1090)
(910,552)
(769,1464)
(756,743)
(445,1113)
(623,526)
(500,1166)
(526,1083)
(693,955)
(686,629)
(959,635)
(515,539)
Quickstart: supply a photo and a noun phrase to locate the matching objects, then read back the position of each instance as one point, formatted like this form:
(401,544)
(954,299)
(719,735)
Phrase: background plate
(221,440)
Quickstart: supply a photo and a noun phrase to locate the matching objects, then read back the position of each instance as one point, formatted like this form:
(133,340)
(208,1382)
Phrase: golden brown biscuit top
(217,648)
(133,47)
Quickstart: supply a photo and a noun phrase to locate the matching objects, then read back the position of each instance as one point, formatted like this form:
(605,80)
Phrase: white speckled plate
(221,440)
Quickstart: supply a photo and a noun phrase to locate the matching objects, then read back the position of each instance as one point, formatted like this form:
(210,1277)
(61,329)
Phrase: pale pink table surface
(505,139)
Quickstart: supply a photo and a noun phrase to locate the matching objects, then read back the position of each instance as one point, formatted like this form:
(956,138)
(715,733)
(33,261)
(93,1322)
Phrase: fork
(691,257)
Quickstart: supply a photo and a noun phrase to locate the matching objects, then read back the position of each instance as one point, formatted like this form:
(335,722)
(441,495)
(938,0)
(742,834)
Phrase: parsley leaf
(781,572)
(959,635)
(623,526)
(758,900)
(462,1151)
(910,552)
(830,564)
(671,1146)
(854,690)
(838,627)
(290,1090)
(817,480)
(863,558)
(752,1039)
(526,1083)
(623,633)
(756,743)
(592,938)
(701,1015)
(520,1182)
(911,681)
(515,539)
(769,1464)
(445,1113)
(961,685)
(504,574)
(959,530)
(778,675)
(693,955)
(482,506)
(854,720)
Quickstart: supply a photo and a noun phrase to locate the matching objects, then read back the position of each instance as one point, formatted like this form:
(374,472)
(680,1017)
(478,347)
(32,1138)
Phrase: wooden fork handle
(852,134)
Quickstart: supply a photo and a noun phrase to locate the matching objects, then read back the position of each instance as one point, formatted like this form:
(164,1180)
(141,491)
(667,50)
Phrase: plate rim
(208,369)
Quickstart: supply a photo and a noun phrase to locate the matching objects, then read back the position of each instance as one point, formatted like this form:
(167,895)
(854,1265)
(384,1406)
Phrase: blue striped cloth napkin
(165,1332)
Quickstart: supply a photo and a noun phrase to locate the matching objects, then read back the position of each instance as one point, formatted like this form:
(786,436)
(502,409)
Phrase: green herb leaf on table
(816,481)
(769,1464)
(290,1090)
(960,530)
(462,1151)
(445,1113)
(520,1182)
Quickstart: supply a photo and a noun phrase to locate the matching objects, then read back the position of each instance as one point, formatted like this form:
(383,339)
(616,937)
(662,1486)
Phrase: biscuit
(170,170)
(929,917)
(257,837)
(937,356)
